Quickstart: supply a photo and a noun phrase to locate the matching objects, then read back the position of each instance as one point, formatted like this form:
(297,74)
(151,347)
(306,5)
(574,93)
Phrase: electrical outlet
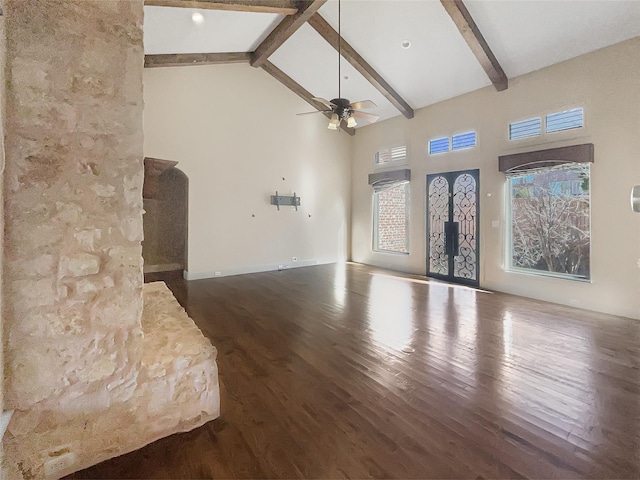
(217,274)
(294,259)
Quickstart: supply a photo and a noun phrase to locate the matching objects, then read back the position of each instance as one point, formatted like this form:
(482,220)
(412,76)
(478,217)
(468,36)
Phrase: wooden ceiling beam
(471,33)
(360,64)
(296,88)
(287,27)
(186,59)
(284,7)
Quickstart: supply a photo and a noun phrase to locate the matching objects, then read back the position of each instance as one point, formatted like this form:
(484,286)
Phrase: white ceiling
(524,36)
(171,30)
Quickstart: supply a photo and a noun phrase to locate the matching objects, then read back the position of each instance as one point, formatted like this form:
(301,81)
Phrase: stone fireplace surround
(176,390)
(96,364)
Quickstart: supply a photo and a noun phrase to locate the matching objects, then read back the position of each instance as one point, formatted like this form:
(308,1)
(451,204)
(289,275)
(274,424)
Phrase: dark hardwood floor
(349,371)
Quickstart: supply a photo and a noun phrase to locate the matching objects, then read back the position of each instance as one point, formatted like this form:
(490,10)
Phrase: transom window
(393,154)
(438,145)
(567,120)
(463,141)
(460,141)
(554,122)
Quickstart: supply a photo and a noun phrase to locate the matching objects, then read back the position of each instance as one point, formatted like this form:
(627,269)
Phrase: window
(525,128)
(556,122)
(399,154)
(393,154)
(391,218)
(549,221)
(382,157)
(463,141)
(438,145)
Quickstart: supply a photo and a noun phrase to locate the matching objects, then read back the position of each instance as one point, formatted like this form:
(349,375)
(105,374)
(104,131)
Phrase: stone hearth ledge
(177,390)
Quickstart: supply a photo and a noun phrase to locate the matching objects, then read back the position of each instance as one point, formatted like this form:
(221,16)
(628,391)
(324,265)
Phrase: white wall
(234,130)
(607,84)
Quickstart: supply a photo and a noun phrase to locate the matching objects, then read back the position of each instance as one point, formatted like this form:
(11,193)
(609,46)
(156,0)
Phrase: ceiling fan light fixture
(341,108)
(334,122)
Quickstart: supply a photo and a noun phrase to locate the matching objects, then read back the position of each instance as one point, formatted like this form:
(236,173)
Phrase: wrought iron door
(452,226)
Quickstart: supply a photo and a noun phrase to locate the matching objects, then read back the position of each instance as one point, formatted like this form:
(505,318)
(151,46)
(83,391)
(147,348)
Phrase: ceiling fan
(341,109)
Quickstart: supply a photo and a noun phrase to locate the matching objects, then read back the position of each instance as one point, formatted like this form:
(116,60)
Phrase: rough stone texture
(5,415)
(176,390)
(178,372)
(75,366)
(73,201)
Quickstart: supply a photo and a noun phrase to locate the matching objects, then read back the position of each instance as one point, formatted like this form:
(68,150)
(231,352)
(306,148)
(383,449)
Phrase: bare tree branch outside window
(550,226)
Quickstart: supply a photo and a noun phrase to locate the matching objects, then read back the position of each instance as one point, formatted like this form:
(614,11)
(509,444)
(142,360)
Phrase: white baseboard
(249,269)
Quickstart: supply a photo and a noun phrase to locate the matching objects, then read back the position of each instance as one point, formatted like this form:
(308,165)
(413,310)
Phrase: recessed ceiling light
(405,44)
(197,18)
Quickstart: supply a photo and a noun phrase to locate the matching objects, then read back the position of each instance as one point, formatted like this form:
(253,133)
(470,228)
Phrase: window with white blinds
(531,127)
(394,154)
(567,120)
(553,122)
(438,145)
(463,140)
(460,141)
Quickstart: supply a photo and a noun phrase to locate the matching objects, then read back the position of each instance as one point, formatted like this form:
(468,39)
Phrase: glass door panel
(452,226)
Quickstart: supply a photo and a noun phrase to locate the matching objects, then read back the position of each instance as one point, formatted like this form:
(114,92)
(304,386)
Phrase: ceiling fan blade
(363,104)
(366,116)
(326,103)
(315,111)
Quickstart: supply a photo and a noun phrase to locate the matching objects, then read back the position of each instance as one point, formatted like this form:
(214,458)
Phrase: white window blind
(393,154)
(525,128)
(463,141)
(438,145)
(556,122)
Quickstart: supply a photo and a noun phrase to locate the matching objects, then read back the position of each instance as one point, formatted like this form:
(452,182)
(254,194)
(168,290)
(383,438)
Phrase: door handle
(456,240)
(452,231)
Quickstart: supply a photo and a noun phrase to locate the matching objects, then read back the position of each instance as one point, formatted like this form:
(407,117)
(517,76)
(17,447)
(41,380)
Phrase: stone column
(3,415)
(73,204)
(89,376)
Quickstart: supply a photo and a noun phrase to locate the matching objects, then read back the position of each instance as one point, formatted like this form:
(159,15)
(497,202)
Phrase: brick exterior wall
(392,219)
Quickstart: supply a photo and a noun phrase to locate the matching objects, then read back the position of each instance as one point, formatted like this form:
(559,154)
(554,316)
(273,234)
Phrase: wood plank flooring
(346,371)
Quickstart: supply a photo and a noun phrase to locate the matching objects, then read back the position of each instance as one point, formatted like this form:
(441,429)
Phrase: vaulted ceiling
(455,47)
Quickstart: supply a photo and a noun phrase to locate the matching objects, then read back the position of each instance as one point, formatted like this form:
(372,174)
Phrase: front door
(452,226)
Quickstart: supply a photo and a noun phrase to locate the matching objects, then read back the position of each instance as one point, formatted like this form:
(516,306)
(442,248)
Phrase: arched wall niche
(165,197)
